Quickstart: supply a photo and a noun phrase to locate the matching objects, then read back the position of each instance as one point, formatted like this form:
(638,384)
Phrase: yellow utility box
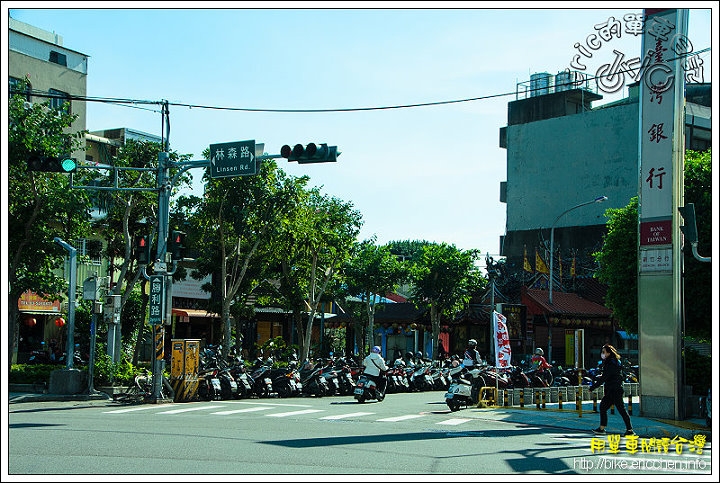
(184,368)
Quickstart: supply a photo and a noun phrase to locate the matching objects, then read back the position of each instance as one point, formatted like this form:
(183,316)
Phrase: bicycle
(138,391)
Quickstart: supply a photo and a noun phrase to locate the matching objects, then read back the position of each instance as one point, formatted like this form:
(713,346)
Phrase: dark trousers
(615,398)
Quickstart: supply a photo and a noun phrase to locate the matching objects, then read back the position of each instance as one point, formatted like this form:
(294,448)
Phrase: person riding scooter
(375,368)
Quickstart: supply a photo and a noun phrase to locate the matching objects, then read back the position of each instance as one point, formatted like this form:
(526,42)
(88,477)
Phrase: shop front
(42,327)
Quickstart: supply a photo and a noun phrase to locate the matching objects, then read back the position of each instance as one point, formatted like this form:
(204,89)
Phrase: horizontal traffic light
(51,164)
(312,153)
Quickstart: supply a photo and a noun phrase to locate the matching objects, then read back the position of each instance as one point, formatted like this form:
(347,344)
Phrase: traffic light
(689,229)
(176,245)
(51,164)
(142,249)
(312,153)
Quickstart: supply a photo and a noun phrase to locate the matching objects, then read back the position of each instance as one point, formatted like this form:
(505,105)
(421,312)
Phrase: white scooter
(464,388)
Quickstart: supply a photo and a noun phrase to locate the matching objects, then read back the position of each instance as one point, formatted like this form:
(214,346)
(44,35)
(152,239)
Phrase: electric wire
(136,103)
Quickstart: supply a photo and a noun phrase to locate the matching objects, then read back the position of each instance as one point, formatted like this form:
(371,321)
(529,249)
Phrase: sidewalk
(567,418)
(571,419)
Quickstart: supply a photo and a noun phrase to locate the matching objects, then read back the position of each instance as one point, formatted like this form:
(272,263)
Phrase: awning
(627,336)
(185,314)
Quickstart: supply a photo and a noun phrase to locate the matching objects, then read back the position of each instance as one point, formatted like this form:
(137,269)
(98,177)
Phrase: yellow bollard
(505,398)
(559,399)
(522,398)
(594,399)
(543,398)
(537,399)
(630,404)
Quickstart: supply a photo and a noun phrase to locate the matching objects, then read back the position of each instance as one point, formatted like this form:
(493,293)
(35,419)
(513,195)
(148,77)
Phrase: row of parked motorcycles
(234,379)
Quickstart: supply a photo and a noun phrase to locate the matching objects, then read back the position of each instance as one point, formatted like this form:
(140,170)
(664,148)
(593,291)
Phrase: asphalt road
(406,434)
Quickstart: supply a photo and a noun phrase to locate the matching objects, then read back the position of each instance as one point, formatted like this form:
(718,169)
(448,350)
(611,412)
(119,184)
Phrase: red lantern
(30,321)
(59,321)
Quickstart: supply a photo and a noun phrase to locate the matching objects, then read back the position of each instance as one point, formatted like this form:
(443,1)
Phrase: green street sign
(157,296)
(233,159)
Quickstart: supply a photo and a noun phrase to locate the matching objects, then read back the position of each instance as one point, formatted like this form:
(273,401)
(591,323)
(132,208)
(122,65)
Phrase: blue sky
(430,173)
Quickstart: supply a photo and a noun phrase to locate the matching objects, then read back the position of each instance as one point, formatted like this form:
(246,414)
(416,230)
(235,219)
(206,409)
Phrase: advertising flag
(502,340)
(540,264)
(526,263)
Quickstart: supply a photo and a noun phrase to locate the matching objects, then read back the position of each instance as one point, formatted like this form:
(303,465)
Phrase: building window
(59,100)
(58,58)
(92,249)
(15,84)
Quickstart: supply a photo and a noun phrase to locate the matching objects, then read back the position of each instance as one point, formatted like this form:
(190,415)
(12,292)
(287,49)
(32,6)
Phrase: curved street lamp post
(599,199)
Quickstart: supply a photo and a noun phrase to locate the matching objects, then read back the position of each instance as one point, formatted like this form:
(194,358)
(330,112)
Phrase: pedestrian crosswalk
(281,410)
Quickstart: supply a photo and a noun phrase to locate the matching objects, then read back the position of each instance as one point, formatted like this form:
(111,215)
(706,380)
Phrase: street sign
(232,159)
(157,296)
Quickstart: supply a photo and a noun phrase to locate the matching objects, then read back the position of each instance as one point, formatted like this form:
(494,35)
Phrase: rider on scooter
(375,368)
(471,357)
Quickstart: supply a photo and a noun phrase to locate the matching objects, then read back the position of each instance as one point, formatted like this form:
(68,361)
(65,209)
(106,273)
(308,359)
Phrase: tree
(315,244)
(128,214)
(41,205)
(372,270)
(617,259)
(444,278)
(234,224)
(618,266)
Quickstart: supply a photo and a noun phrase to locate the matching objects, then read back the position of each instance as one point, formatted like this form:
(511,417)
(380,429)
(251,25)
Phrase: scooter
(464,388)
(366,388)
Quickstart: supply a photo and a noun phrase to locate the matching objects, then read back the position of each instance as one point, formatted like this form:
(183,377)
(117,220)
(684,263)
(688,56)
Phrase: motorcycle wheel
(453,404)
(381,397)
(360,399)
(283,390)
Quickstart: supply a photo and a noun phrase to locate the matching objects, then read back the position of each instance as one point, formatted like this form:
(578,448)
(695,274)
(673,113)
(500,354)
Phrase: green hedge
(698,371)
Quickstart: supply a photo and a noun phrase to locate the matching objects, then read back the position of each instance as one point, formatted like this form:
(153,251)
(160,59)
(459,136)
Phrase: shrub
(698,371)
(31,373)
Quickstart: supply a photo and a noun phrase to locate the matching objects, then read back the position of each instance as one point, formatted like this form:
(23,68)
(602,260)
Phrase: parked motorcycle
(313,382)
(262,380)
(239,372)
(366,388)
(286,381)
(464,388)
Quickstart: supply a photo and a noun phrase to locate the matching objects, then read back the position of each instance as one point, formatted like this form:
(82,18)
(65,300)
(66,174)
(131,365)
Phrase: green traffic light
(68,164)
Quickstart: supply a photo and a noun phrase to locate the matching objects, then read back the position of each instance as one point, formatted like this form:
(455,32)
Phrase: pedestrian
(611,377)
(375,368)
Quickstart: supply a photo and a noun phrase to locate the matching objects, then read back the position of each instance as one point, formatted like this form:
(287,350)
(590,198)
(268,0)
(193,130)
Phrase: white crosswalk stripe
(245,410)
(295,413)
(349,415)
(132,409)
(454,422)
(186,410)
(401,418)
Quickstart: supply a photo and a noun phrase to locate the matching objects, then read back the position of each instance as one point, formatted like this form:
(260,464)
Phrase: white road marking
(127,410)
(349,415)
(401,418)
(294,413)
(185,410)
(454,422)
(246,410)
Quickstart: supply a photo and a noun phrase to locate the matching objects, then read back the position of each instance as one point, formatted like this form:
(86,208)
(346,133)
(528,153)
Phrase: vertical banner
(503,352)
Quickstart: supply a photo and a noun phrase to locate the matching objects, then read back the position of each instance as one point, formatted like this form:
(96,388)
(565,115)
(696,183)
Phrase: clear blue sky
(430,173)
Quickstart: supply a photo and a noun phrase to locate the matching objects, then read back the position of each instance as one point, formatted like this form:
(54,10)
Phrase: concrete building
(54,71)
(562,152)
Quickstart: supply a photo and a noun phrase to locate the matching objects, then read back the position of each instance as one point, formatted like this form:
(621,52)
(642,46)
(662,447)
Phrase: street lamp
(599,199)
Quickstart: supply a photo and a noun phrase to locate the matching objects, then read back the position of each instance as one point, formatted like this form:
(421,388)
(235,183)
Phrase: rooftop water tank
(539,84)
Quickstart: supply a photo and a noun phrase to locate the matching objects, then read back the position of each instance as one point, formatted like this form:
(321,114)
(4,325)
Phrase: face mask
(602,356)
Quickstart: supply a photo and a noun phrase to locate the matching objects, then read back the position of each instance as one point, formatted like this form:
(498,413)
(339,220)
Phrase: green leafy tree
(372,270)
(234,224)
(41,205)
(618,264)
(444,279)
(316,242)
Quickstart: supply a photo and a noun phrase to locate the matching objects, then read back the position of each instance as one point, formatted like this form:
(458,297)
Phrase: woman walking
(612,378)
